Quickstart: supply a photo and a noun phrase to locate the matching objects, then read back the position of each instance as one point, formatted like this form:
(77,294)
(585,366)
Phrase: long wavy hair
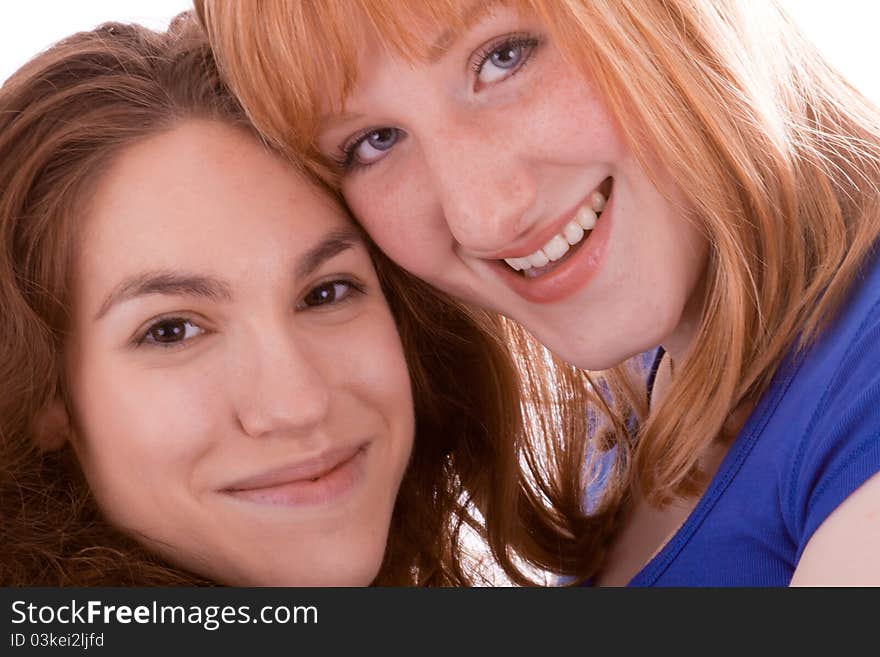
(483,447)
(777,153)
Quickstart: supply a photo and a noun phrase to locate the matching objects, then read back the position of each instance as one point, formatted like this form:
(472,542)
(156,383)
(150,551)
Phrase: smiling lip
(316,481)
(572,274)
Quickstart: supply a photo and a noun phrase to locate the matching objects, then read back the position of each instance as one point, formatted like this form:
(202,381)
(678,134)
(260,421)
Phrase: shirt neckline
(742,445)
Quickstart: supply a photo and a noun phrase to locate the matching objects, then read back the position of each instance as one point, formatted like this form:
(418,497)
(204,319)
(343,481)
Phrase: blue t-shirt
(813,439)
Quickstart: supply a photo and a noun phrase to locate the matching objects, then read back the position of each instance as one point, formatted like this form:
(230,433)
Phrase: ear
(51,428)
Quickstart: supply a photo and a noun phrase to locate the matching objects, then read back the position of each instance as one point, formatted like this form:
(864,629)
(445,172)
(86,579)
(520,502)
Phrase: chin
(286,568)
(610,345)
(345,575)
(332,575)
(600,357)
(343,567)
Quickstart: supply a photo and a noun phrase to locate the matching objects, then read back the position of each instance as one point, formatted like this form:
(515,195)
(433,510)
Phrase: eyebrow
(449,36)
(331,246)
(166,282)
(181,283)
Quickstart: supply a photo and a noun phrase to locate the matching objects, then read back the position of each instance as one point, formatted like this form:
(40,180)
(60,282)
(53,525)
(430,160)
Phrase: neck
(677,343)
(675,346)
(662,380)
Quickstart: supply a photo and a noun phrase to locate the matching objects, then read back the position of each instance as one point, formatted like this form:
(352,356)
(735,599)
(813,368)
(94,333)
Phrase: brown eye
(327,293)
(171,331)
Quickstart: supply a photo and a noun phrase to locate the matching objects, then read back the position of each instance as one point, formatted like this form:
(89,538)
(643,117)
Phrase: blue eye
(170,331)
(329,293)
(507,57)
(371,146)
(502,60)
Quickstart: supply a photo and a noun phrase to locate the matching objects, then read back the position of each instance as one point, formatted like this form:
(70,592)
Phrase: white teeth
(573,232)
(556,248)
(586,218)
(518,263)
(538,259)
(583,222)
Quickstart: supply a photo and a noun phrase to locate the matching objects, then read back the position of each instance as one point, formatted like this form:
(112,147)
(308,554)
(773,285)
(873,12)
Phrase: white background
(29,26)
(845,29)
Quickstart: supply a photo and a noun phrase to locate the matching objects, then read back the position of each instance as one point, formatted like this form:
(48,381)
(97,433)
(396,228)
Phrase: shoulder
(838,389)
(843,550)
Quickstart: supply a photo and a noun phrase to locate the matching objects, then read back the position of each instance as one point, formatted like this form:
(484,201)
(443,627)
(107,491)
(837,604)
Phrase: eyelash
(142,337)
(355,288)
(346,160)
(511,41)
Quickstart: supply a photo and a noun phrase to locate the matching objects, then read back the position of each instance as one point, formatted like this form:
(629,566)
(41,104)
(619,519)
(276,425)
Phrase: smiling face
(240,397)
(495,172)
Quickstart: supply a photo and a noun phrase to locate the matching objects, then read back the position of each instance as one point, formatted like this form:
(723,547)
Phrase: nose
(279,388)
(485,186)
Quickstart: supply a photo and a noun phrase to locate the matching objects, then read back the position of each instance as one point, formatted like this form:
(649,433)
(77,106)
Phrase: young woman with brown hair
(209,375)
(683,177)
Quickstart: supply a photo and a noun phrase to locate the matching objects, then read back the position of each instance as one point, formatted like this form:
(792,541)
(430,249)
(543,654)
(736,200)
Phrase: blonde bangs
(320,44)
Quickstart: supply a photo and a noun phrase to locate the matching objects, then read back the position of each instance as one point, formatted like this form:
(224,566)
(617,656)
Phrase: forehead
(202,193)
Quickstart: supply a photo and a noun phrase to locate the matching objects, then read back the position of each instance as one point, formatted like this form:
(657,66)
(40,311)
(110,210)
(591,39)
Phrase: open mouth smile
(570,258)
(565,243)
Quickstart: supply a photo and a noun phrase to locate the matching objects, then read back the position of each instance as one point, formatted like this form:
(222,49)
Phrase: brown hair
(63,117)
(777,153)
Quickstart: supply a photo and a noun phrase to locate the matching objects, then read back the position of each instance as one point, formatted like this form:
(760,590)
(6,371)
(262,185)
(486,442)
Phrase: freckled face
(497,174)
(240,397)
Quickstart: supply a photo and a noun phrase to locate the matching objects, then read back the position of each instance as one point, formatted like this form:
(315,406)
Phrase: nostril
(488,244)
(489,218)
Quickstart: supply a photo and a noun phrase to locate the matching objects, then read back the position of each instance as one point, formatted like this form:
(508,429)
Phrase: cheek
(380,370)
(140,432)
(404,220)
(560,118)
(368,363)
(670,243)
